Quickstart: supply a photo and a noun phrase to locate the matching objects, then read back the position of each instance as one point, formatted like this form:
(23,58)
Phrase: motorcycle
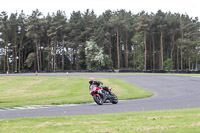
(101,96)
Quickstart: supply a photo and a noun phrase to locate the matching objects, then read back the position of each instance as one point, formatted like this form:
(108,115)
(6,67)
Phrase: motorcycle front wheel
(98,99)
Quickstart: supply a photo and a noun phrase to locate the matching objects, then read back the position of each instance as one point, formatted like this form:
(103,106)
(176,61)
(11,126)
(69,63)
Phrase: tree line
(85,41)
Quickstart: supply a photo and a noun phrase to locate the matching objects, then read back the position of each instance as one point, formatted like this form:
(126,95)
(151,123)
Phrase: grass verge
(17,91)
(161,74)
(170,121)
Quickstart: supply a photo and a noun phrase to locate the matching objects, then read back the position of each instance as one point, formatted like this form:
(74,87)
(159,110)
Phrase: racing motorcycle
(101,96)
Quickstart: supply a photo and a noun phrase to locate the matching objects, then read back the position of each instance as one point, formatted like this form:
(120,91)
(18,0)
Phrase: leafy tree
(47,41)
(57,34)
(173,24)
(5,29)
(30,60)
(153,34)
(13,39)
(168,64)
(21,35)
(161,25)
(105,32)
(89,19)
(141,41)
(138,47)
(115,22)
(75,37)
(34,32)
(143,26)
(95,58)
(126,32)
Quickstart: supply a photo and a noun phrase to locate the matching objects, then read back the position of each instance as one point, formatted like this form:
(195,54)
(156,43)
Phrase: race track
(170,92)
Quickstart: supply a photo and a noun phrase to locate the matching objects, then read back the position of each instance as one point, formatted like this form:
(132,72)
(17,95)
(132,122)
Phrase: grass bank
(170,121)
(161,74)
(17,91)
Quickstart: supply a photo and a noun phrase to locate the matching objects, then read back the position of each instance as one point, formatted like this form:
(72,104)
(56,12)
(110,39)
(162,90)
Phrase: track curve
(170,92)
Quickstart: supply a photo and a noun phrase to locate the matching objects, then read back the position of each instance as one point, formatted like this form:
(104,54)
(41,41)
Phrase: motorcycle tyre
(98,99)
(114,99)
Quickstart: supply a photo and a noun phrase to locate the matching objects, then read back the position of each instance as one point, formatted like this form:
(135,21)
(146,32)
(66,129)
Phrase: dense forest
(85,41)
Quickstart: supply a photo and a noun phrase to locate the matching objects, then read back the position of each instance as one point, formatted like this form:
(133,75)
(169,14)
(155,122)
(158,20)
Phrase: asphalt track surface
(170,92)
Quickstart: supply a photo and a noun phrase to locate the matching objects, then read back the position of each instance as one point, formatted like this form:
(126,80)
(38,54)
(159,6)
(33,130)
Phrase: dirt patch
(95,119)
(15,127)
(160,117)
(76,131)
(128,120)
(96,122)
(194,125)
(52,124)
(114,87)
(42,125)
(148,128)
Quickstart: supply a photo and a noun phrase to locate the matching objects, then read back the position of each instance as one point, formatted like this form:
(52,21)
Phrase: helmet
(91,80)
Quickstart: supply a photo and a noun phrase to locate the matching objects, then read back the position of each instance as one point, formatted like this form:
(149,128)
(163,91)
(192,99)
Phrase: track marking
(44,106)
(195,76)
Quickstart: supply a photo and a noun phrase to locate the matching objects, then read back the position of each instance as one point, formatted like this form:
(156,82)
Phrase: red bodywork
(94,90)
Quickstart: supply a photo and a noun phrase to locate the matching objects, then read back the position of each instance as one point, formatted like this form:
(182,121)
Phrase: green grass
(170,121)
(171,74)
(17,91)
(166,74)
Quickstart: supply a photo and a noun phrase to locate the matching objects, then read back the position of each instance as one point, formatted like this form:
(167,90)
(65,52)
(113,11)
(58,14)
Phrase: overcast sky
(191,7)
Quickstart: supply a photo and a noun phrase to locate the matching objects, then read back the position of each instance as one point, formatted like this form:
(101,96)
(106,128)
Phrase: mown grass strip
(170,121)
(17,91)
(161,74)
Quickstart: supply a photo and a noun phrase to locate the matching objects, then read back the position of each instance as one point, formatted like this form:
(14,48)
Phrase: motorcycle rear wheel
(114,99)
(98,99)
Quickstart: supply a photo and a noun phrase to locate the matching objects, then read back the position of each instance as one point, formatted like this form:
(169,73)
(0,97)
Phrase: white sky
(191,7)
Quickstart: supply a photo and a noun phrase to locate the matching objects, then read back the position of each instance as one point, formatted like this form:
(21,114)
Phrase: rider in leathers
(94,83)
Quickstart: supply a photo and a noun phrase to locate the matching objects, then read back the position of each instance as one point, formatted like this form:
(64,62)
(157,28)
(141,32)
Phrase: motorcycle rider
(94,83)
